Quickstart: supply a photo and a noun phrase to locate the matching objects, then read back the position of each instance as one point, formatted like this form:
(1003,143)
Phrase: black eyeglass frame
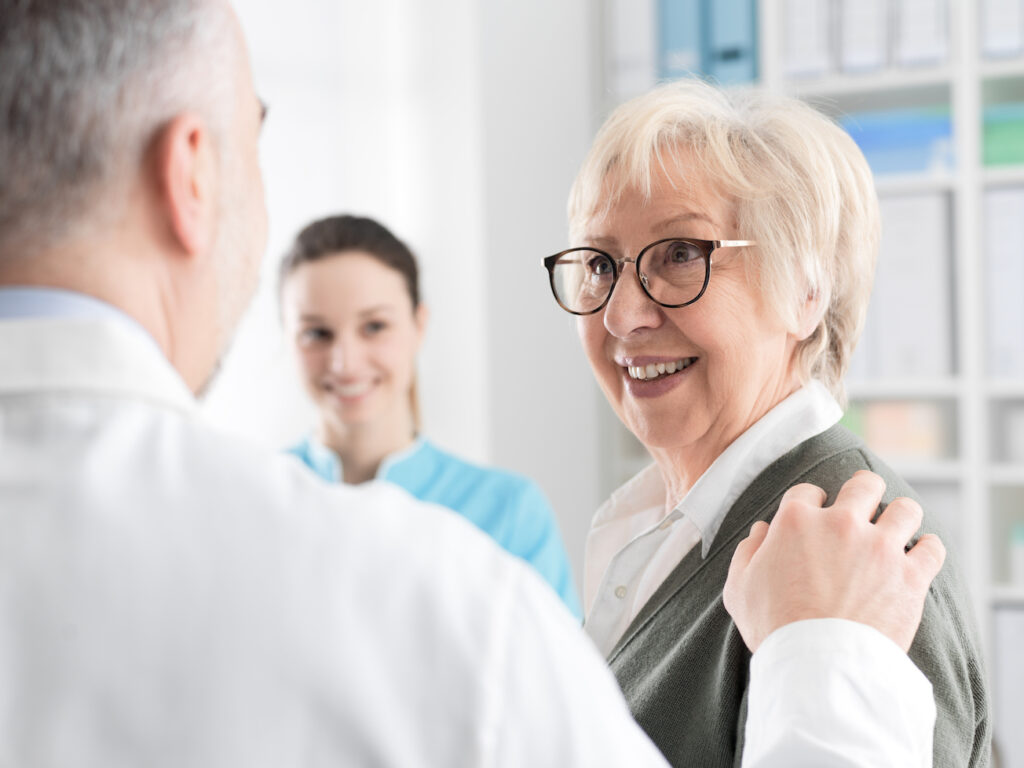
(707,247)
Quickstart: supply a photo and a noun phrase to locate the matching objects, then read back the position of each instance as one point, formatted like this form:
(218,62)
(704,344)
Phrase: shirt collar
(328,464)
(25,302)
(805,413)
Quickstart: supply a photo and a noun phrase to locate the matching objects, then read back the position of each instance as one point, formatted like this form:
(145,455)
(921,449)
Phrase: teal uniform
(507,507)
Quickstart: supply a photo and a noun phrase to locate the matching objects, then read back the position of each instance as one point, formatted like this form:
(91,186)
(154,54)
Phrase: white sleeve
(832,693)
(552,699)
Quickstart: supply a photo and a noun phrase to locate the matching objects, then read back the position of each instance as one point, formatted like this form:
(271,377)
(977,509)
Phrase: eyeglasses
(673,273)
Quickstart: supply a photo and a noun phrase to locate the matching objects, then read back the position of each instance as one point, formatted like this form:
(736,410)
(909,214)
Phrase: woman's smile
(649,376)
(349,392)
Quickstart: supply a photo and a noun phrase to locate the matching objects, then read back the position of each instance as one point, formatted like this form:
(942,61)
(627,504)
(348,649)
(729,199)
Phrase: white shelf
(1008,594)
(1008,390)
(1006,474)
(914,183)
(883,81)
(1008,175)
(928,470)
(905,389)
(1000,68)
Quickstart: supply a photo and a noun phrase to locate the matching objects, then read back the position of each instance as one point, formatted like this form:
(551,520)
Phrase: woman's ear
(421,316)
(810,316)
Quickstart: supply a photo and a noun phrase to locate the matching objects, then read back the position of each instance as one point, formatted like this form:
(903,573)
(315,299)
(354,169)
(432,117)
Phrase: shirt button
(620,592)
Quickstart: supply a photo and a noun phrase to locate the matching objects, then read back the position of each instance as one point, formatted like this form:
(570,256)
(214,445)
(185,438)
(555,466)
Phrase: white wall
(460,124)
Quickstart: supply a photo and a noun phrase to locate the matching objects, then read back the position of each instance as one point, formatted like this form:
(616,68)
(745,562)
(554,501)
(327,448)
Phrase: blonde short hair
(799,186)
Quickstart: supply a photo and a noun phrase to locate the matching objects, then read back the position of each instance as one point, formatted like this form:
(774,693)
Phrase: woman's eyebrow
(685,218)
(377,308)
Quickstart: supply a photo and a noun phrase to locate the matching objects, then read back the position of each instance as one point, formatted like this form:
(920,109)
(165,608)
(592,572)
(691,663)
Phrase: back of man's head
(84,87)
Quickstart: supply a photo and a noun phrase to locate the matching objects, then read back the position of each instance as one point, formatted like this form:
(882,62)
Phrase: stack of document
(910,328)
(1009,685)
(1002,28)
(1003,251)
(822,37)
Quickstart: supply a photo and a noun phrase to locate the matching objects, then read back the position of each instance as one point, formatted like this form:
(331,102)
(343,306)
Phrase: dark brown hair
(337,234)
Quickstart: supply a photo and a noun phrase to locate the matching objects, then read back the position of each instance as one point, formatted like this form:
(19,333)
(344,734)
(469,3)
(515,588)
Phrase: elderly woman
(725,250)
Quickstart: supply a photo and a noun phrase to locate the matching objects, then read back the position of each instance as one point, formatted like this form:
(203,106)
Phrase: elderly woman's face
(734,353)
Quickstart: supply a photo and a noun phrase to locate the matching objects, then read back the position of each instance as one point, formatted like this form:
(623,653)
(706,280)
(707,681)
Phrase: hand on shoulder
(832,562)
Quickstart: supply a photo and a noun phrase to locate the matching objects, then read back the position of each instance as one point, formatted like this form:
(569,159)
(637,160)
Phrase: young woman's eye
(315,335)
(374,327)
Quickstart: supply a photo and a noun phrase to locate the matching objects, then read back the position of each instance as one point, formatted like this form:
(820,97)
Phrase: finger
(901,519)
(741,559)
(804,493)
(861,494)
(746,549)
(927,555)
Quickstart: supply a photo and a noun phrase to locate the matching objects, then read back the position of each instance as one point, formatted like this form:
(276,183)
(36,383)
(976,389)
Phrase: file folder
(731,55)
(680,32)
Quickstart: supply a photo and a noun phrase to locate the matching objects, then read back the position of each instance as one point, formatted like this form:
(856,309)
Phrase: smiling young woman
(351,308)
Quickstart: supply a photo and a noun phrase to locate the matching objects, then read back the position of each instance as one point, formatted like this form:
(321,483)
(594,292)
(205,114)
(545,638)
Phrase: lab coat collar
(99,355)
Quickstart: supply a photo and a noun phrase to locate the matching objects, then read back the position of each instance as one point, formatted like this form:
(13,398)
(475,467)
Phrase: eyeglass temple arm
(733,243)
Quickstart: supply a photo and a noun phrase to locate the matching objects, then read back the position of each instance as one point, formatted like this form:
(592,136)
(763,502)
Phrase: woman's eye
(374,327)
(682,252)
(315,335)
(599,265)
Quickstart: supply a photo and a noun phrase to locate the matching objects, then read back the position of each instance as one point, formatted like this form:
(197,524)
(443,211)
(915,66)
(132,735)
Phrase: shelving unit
(975,484)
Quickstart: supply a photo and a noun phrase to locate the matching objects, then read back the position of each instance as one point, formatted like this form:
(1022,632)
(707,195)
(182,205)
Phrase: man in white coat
(173,596)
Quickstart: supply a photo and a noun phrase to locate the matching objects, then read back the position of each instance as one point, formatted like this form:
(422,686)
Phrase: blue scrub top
(507,507)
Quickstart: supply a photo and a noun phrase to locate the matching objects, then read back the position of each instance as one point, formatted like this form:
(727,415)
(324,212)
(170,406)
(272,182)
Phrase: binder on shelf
(911,310)
(1004,281)
(1002,28)
(909,430)
(731,55)
(904,140)
(1003,134)
(631,41)
(921,33)
(680,33)
(807,38)
(863,35)
(1009,684)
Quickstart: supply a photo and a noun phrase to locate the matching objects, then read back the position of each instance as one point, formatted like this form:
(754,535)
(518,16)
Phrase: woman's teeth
(352,390)
(654,370)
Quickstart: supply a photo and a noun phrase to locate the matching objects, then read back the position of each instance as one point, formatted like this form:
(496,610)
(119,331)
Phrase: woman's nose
(337,357)
(630,309)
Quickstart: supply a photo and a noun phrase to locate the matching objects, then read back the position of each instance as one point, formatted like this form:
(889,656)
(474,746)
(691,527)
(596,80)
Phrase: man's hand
(831,562)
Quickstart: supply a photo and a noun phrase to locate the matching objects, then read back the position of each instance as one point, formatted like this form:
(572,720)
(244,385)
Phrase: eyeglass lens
(673,272)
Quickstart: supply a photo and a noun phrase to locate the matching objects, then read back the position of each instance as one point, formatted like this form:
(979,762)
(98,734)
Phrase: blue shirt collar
(24,302)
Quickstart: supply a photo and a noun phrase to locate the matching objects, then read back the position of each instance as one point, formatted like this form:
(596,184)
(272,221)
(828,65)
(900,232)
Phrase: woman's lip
(637,362)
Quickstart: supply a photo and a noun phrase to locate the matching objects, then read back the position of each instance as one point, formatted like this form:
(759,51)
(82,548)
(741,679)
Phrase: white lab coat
(173,596)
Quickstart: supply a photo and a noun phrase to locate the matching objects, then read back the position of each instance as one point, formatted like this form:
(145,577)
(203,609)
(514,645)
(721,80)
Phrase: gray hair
(798,184)
(84,86)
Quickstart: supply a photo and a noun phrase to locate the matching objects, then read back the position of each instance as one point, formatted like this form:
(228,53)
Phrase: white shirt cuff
(831,692)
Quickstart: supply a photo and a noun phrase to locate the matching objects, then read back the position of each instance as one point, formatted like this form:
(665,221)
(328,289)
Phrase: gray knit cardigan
(683,666)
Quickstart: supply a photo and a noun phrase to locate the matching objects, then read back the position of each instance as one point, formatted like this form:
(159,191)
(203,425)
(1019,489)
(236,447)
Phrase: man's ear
(187,177)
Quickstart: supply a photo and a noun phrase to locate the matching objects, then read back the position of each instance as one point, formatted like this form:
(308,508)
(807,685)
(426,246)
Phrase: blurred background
(460,124)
